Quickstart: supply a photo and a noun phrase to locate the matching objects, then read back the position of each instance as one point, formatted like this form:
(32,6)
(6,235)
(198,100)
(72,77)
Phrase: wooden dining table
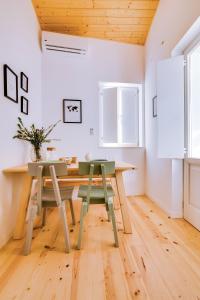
(22,186)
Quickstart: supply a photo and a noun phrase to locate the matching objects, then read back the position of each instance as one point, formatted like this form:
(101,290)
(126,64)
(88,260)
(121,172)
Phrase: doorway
(192,161)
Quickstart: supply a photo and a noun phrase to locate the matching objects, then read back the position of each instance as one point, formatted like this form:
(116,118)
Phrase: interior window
(120,115)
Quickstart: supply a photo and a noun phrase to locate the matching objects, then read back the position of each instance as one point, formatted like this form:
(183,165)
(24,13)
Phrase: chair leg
(108,213)
(62,212)
(29,233)
(111,210)
(84,209)
(72,211)
(44,213)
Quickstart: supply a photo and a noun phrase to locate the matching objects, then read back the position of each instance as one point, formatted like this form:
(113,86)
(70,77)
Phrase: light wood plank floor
(160,260)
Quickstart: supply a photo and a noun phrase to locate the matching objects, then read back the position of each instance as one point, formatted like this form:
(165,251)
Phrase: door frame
(188,160)
(187,52)
(183,47)
(187,163)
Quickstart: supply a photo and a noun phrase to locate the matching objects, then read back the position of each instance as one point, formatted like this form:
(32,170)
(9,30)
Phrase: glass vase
(37,154)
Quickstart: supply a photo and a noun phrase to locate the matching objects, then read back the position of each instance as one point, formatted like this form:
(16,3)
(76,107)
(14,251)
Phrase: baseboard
(176,215)
(136,195)
(171,214)
(4,241)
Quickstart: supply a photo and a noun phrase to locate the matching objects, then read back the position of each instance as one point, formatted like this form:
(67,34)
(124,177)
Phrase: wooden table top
(119,166)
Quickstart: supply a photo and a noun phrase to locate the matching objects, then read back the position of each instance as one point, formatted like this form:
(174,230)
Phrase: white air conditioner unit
(64,43)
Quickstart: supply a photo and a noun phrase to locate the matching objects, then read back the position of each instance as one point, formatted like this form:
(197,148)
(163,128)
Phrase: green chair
(48,197)
(102,194)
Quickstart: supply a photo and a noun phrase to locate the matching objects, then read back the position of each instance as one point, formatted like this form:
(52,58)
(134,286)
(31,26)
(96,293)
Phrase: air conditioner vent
(67,44)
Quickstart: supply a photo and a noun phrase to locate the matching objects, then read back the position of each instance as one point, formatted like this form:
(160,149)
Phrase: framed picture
(24,82)
(72,111)
(24,105)
(154,106)
(10,84)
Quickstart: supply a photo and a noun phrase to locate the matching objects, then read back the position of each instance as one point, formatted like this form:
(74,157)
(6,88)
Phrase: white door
(192,163)
(192,191)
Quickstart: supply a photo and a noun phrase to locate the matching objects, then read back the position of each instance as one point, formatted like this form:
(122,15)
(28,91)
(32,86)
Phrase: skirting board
(172,214)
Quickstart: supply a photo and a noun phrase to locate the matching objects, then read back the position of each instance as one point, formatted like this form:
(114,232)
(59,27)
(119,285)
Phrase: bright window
(120,115)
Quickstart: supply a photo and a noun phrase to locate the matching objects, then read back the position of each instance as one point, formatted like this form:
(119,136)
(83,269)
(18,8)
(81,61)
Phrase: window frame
(187,53)
(104,85)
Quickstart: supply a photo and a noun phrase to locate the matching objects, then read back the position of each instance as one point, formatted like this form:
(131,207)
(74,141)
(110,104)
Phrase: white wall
(76,78)
(19,39)
(172,20)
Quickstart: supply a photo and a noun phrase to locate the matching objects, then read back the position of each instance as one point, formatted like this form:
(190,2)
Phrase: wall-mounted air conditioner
(64,43)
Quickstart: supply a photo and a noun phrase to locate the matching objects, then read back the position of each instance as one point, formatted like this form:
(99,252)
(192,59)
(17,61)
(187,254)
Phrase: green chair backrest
(47,169)
(101,168)
(60,168)
(85,167)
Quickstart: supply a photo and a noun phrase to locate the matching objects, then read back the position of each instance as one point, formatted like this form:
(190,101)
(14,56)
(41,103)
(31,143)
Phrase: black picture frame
(10,84)
(24,82)
(24,105)
(72,111)
(154,106)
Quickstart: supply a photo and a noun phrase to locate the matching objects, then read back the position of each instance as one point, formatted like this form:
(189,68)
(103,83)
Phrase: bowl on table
(74,159)
(67,160)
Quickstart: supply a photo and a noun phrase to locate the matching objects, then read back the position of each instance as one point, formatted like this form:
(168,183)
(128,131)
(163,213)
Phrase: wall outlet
(91,131)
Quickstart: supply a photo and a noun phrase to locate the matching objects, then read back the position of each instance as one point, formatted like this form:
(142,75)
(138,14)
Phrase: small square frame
(154,106)
(24,82)
(10,84)
(24,105)
(72,111)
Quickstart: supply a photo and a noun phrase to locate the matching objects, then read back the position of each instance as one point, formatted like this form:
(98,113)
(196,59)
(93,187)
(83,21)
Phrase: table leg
(21,194)
(123,202)
(116,197)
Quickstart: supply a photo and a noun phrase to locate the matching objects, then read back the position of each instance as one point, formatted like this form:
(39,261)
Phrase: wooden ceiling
(125,21)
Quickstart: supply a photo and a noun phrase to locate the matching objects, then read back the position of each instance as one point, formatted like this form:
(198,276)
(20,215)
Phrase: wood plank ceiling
(125,21)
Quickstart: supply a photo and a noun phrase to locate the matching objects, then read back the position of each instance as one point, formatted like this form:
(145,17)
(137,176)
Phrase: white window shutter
(170,93)
(109,115)
(129,98)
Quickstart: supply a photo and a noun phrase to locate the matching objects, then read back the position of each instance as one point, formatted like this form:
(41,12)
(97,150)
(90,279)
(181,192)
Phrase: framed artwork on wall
(24,105)
(154,106)
(24,82)
(10,84)
(72,111)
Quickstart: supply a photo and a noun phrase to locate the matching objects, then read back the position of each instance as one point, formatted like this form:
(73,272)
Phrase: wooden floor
(160,260)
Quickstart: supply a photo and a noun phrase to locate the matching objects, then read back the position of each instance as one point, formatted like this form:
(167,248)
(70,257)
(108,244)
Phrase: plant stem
(37,153)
